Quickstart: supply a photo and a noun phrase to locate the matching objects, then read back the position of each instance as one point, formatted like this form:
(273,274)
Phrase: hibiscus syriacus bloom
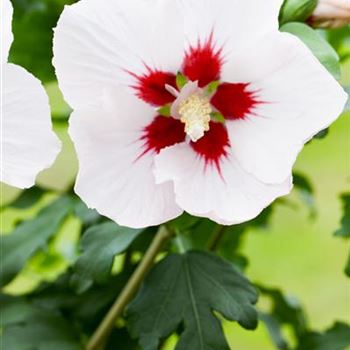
(28,144)
(195,105)
(331,14)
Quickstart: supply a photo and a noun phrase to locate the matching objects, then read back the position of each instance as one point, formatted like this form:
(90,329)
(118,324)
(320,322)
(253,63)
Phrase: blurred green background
(297,254)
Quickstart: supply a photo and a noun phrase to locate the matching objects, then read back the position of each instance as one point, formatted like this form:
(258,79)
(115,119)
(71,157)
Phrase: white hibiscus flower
(249,98)
(28,144)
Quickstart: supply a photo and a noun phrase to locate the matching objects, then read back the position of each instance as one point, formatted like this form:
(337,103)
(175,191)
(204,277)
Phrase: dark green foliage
(322,134)
(121,340)
(284,310)
(100,244)
(27,198)
(87,216)
(185,290)
(296,10)
(29,327)
(347,267)
(306,191)
(344,230)
(86,308)
(29,236)
(319,47)
(32,26)
(335,338)
(274,328)
(340,40)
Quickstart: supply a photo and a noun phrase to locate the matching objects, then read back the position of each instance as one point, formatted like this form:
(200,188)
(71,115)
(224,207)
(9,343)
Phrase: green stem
(180,244)
(215,239)
(129,290)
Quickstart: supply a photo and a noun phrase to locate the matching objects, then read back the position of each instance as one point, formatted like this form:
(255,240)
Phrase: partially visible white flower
(28,144)
(331,14)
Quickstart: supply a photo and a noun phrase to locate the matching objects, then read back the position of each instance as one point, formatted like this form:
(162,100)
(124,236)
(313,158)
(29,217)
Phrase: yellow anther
(195,114)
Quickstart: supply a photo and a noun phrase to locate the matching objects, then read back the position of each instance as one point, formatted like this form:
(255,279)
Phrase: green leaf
(319,46)
(14,310)
(100,244)
(286,310)
(184,223)
(347,267)
(27,198)
(29,236)
(186,290)
(32,328)
(322,134)
(86,215)
(335,338)
(32,25)
(231,242)
(122,339)
(87,308)
(274,328)
(297,10)
(344,230)
(340,40)
(181,81)
(305,188)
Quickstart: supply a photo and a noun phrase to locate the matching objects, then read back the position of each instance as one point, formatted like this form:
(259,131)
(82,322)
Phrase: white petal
(28,143)
(234,23)
(6,29)
(111,177)
(98,42)
(300,98)
(232,197)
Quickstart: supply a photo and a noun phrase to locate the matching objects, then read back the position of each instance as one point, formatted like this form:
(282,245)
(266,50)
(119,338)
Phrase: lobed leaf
(186,290)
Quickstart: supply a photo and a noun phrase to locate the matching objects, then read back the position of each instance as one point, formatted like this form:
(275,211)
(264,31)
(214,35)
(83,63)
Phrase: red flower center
(202,63)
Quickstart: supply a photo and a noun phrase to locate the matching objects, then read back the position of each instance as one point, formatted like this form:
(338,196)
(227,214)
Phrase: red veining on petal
(203,62)
(150,87)
(213,145)
(162,132)
(234,101)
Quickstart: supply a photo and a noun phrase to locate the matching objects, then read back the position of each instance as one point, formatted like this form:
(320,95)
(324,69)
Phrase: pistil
(195,114)
(192,106)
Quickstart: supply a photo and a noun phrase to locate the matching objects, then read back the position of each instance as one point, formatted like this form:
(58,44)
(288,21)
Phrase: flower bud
(331,14)
(297,10)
